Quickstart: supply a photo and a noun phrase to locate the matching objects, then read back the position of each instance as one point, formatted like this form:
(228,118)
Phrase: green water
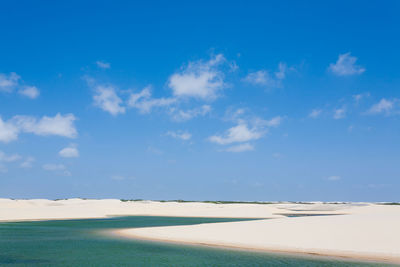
(81,243)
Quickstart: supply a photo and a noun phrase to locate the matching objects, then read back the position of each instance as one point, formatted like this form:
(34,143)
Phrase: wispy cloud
(184,115)
(266,78)
(334,178)
(145,103)
(53,167)
(11,82)
(240,148)
(346,66)
(358,97)
(339,113)
(8,158)
(384,106)
(103,64)
(180,135)
(8,82)
(315,113)
(57,168)
(27,163)
(29,91)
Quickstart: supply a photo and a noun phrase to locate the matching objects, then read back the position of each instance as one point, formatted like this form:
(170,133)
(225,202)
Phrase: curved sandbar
(369,232)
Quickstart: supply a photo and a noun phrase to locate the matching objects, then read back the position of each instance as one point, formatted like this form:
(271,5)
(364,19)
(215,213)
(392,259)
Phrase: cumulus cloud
(103,64)
(59,125)
(245,131)
(383,106)
(180,135)
(29,91)
(315,113)
(265,78)
(240,148)
(239,133)
(199,79)
(339,113)
(346,66)
(106,98)
(8,131)
(70,151)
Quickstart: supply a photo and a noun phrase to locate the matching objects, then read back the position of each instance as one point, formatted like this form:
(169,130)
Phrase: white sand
(366,231)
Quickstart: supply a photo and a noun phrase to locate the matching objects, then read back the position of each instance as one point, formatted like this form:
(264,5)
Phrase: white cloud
(9,158)
(60,125)
(27,163)
(8,82)
(240,148)
(274,122)
(103,65)
(334,178)
(180,135)
(346,65)
(8,131)
(144,103)
(339,113)
(239,133)
(58,168)
(107,99)
(246,130)
(383,106)
(357,98)
(202,80)
(265,78)
(69,152)
(315,113)
(54,167)
(184,115)
(29,91)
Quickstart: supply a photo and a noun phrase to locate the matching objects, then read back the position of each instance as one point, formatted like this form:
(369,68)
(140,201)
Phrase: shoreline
(363,231)
(351,257)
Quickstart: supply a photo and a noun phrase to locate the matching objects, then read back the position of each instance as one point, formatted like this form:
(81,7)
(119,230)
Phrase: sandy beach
(355,230)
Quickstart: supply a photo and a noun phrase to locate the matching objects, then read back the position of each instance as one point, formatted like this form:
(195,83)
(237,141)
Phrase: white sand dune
(362,230)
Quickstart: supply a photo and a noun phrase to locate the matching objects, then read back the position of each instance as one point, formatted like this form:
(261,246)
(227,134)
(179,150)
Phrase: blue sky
(238,100)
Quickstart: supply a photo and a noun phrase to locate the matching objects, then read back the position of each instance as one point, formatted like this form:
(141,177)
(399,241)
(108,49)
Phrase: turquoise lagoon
(83,243)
